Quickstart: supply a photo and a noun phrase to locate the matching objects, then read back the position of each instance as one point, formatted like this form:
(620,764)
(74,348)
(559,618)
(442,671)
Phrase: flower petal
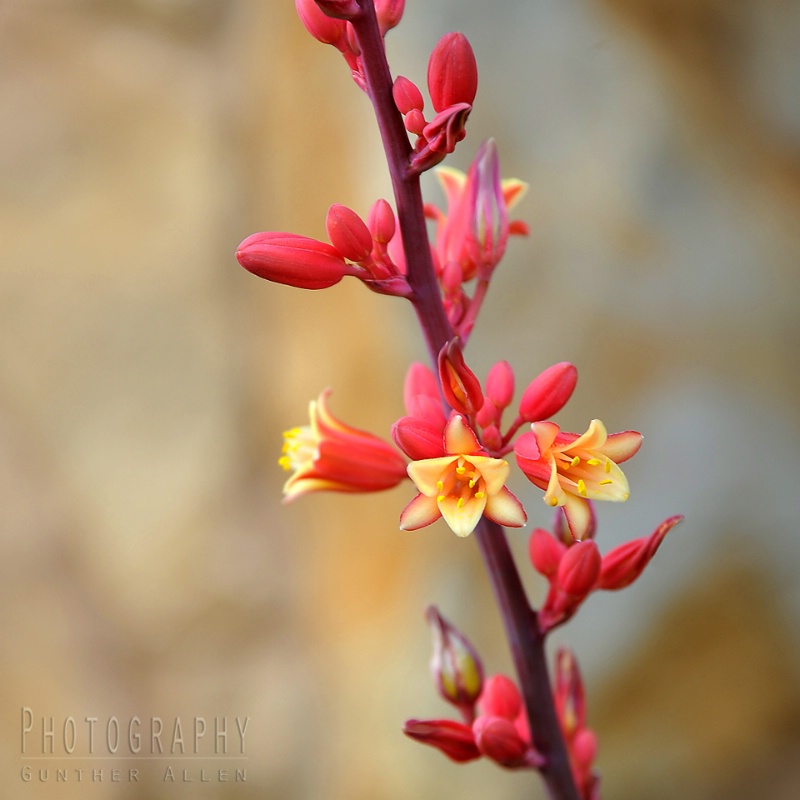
(462,516)
(427,474)
(504,509)
(459,437)
(621,446)
(421,511)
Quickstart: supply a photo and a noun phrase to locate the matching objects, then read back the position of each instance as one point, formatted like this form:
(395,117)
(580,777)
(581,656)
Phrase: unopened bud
(545,553)
(322,27)
(455,666)
(452,72)
(348,233)
(579,569)
(381,222)
(498,739)
(292,260)
(389,13)
(460,386)
(569,694)
(501,698)
(454,739)
(624,564)
(500,384)
(548,393)
(407,96)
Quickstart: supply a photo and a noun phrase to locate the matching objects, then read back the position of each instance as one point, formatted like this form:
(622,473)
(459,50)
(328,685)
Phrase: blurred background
(148,568)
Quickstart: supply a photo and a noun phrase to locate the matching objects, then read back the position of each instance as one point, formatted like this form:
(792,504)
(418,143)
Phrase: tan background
(148,567)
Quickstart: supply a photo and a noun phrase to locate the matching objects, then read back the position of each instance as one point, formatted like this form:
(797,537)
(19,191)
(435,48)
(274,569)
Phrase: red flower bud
(455,665)
(500,698)
(500,384)
(497,738)
(348,233)
(454,739)
(452,72)
(549,392)
(292,260)
(407,95)
(569,693)
(389,13)
(460,386)
(624,564)
(322,27)
(545,553)
(579,568)
(381,222)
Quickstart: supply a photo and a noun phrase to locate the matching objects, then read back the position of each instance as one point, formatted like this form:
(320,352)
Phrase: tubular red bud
(500,384)
(545,553)
(624,564)
(497,738)
(348,233)
(569,693)
(407,96)
(452,72)
(292,260)
(454,739)
(455,666)
(548,393)
(460,386)
(389,13)
(381,222)
(500,698)
(419,437)
(579,569)
(323,28)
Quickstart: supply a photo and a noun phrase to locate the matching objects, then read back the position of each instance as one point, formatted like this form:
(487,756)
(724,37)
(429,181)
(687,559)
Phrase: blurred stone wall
(148,567)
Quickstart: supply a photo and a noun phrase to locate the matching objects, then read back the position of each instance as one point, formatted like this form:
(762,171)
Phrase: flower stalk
(519,619)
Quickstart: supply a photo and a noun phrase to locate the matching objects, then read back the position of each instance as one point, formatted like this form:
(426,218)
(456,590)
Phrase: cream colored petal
(421,511)
(427,473)
(494,472)
(504,509)
(462,516)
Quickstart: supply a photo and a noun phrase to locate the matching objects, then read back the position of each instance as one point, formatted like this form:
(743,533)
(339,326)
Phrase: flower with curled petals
(573,468)
(329,455)
(462,485)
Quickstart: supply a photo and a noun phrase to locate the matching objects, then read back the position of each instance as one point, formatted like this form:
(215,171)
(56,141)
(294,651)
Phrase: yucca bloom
(329,455)
(573,468)
(462,485)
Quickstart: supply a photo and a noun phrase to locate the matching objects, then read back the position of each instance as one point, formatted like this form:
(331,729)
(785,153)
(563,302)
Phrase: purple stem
(525,640)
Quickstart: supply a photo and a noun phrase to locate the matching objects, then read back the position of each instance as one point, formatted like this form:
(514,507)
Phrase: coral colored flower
(477,213)
(329,455)
(574,468)
(462,485)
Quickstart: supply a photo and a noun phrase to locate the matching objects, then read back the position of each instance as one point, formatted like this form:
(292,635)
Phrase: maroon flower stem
(525,640)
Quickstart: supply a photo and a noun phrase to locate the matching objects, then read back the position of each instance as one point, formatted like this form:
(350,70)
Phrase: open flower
(573,468)
(462,485)
(329,455)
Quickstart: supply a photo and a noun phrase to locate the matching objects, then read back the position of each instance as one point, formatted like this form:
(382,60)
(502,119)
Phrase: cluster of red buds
(494,723)
(452,85)
(576,569)
(330,22)
(453,443)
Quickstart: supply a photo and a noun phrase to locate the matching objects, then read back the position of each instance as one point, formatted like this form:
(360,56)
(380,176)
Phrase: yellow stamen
(552,501)
(440,498)
(593,462)
(472,482)
(480,495)
(581,488)
(575,461)
(608,465)
(606,482)
(460,503)
(440,486)
(461,470)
